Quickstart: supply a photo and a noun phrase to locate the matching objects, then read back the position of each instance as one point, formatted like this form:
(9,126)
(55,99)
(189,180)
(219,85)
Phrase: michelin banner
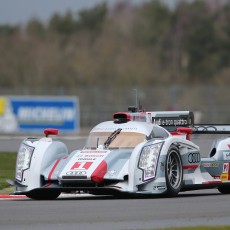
(34,114)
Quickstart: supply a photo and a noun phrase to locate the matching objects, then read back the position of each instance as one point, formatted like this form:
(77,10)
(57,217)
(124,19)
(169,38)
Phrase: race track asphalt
(96,213)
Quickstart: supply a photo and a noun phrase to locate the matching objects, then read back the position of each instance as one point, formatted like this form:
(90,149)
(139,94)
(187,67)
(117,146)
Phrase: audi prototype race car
(142,153)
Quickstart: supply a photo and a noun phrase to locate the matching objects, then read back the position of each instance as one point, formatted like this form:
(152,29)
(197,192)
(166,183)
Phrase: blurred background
(72,64)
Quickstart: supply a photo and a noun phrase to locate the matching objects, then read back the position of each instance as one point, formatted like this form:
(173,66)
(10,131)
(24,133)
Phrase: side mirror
(188,132)
(50,131)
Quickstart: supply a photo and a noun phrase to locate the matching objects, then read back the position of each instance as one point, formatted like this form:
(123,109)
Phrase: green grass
(7,169)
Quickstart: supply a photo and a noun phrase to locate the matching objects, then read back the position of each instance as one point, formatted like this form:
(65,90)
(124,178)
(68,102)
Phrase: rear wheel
(44,195)
(224,189)
(173,171)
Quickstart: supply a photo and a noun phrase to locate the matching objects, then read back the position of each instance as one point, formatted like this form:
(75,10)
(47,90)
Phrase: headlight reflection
(148,160)
(23,160)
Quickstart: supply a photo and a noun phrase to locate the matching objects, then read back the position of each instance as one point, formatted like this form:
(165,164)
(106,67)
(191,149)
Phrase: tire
(44,195)
(173,172)
(224,189)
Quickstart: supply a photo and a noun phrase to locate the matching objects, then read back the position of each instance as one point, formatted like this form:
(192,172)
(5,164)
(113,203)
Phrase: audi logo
(205,128)
(194,157)
(76,173)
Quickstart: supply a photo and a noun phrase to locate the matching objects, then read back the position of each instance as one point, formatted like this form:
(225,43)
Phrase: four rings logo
(194,157)
(76,173)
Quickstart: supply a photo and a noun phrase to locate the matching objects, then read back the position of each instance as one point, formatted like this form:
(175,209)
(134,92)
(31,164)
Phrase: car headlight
(149,159)
(23,160)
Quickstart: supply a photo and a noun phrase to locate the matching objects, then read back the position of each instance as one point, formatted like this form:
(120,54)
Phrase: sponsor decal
(169,121)
(42,113)
(216,177)
(93,155)
(38,113)
(194,157)
(81,165)
(224,177)
(76,173)
(211,165)
(90,155)
(225,172)
(226,155)
(158,188)
(86,159)
(139,118)
(225,167)
(94,151)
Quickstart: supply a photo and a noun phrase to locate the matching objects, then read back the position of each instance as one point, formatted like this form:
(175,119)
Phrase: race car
(136,153)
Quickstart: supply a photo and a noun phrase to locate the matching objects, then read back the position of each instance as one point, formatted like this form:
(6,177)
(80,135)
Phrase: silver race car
(141,153)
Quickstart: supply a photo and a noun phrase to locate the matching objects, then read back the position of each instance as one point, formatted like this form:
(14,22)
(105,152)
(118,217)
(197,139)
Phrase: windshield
(122,140)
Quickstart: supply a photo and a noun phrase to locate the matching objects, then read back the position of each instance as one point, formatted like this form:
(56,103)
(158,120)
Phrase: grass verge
(7,170)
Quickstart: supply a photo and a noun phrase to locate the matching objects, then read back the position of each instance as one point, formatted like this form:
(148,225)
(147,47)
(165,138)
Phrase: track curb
(6,196)
(63,195)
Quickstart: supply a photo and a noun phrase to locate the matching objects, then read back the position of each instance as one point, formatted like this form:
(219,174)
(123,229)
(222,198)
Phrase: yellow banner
(2,105)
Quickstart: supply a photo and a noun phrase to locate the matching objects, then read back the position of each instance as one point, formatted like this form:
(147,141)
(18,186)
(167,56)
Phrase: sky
(20,11)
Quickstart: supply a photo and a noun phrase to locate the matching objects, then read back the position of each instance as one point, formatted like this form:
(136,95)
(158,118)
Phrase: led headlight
(23,160)
(148,160)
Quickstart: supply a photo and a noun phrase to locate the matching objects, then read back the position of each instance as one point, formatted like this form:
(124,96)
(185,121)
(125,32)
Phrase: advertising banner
(34,114)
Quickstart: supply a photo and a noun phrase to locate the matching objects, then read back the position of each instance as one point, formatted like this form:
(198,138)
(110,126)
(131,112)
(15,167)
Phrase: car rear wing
(211,129)
(171,120)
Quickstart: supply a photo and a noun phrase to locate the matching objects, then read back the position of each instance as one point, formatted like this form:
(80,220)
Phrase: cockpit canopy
(122,140)
(121,137)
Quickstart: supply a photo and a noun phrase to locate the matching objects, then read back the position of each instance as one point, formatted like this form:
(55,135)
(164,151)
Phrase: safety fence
(96,104)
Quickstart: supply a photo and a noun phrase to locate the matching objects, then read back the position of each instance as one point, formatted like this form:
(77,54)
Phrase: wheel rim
(174,170)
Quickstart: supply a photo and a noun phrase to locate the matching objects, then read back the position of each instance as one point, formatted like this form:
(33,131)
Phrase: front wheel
(173,171)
